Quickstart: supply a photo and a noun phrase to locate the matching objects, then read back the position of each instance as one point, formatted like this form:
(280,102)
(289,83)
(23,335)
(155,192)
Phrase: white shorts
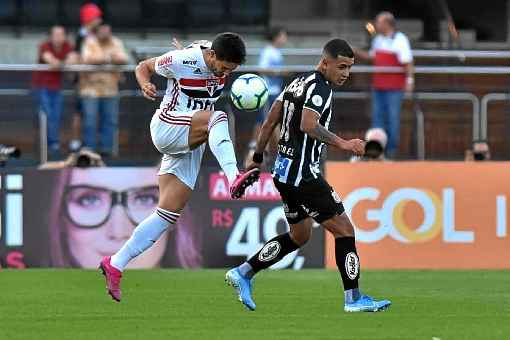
(170,136)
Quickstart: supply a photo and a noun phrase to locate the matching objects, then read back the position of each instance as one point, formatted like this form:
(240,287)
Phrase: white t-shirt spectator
(394,50)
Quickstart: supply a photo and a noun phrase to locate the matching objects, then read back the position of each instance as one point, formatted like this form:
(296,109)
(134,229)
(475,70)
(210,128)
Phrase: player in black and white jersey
(304,110)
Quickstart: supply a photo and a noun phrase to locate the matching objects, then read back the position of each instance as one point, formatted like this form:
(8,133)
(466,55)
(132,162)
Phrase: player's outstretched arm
(311,126)
(143,71)
(273,119)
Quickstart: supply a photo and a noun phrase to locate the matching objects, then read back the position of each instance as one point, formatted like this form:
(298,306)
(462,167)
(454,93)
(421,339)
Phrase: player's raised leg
(272,252)
(348,264)
(174,194)
(212,127)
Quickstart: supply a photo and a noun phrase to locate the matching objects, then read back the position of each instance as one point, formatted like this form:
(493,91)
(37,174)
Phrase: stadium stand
(28,20)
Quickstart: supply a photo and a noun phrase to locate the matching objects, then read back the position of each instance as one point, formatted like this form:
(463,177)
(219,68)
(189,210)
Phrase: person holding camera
(479,152)
(376,141)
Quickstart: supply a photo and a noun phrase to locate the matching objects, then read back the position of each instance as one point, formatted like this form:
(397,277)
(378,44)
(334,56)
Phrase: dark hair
(338,48)
(275,32)
(229,47)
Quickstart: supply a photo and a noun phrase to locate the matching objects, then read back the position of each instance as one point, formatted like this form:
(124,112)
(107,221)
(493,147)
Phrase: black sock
(273,251)
(347,261)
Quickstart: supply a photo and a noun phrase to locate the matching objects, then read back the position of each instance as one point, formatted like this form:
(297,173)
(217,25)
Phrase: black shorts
(314,198)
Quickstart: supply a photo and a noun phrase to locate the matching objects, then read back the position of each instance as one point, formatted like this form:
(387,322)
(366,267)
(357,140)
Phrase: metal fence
(448,110)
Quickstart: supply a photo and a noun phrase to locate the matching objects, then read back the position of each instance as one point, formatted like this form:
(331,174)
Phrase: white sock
(144,236)
(221,145)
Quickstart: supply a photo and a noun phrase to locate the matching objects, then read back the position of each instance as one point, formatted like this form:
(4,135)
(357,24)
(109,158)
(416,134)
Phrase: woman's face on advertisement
(102,207)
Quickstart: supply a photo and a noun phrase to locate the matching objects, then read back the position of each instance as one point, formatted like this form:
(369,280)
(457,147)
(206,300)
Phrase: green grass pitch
(178,304)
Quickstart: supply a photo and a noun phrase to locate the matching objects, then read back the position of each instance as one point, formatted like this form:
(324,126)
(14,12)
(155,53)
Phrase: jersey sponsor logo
(270,251)
(189,62)
(317,100)
(352,265)
(281,167)
(197,71)
(199,104)
(165,61)
(286,150)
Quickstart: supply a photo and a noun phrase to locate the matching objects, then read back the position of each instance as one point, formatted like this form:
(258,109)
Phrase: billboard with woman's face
(96,210)
(74,217)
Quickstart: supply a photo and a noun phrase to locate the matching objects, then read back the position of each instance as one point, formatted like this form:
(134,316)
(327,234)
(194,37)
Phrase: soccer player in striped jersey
(184,122)
(303,110)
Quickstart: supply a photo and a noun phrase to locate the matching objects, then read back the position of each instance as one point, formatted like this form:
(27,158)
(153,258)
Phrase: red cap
(89,12)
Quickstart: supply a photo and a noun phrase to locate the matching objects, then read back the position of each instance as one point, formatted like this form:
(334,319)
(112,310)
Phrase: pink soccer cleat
(112,276)
(243,181)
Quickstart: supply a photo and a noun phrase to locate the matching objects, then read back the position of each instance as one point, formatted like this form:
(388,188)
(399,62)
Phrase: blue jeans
(50,102)
(386,106)
(107,110)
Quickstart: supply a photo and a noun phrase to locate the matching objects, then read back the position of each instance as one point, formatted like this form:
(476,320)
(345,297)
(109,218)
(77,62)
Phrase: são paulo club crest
(212,85)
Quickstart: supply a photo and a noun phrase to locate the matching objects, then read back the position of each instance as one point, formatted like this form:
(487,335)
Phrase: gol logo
(438,215)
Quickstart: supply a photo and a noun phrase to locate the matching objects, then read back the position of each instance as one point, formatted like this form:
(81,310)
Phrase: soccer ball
(249,92)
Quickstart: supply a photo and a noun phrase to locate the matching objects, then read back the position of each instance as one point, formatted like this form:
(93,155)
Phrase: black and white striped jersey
(298,153)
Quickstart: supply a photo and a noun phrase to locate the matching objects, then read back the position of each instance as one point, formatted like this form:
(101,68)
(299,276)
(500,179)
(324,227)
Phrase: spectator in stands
(271,56)
(56,52)
(376,140)
(389,48)
(90,19)
(479,152)
(99,90)
(83,158)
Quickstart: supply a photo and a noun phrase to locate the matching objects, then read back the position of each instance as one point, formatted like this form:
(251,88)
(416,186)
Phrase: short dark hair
(338,48)
(274,32)
(229,47)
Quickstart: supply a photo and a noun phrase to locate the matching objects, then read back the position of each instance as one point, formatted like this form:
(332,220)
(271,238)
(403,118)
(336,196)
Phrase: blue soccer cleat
(243,287)
(367,304)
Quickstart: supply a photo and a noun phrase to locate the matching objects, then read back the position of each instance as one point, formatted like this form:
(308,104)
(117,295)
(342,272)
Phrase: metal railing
(310,52)
(489,97)
(420,128)
(448,70)
(417,96)
(479,108)
(43,120)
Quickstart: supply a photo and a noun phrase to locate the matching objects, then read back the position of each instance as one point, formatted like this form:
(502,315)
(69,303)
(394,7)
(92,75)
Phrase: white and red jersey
(191,85)
(393,50)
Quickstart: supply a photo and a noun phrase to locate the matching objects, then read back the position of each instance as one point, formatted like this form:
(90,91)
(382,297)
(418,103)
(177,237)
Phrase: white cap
(377,135)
